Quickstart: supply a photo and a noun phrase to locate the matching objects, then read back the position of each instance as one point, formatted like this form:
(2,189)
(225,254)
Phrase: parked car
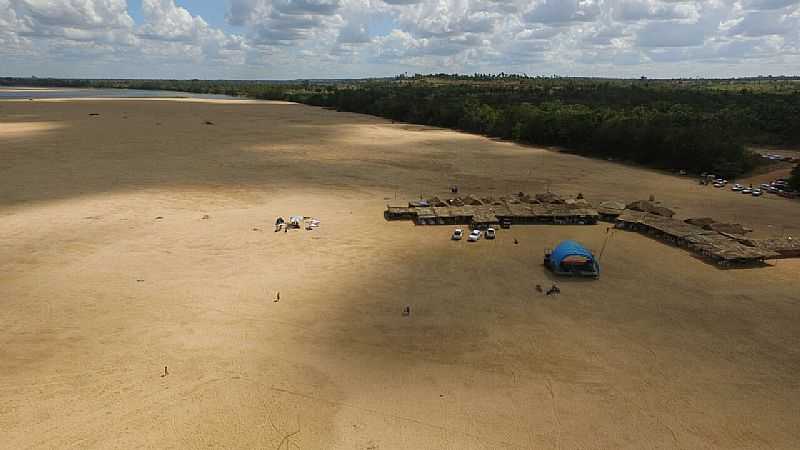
(490,233)
(746,191)
(474,236)
(458,233)
(756,192)
(737,187)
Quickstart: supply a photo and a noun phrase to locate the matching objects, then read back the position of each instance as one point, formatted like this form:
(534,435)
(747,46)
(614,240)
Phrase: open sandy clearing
(108,272)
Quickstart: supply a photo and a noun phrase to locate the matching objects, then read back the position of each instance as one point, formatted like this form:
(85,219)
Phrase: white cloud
(354,33)
(764,23)
(564,11)
(319,38)
(671,34)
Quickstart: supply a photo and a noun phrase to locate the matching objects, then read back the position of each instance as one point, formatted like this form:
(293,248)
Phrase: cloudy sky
(286,39)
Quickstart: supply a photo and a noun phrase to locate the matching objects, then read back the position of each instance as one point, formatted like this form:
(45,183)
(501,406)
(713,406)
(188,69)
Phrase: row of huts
(547,208)
(722,248)
(722,243)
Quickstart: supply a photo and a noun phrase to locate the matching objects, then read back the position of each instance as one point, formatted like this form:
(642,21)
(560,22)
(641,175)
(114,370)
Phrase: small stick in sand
(277,297)
(166,372)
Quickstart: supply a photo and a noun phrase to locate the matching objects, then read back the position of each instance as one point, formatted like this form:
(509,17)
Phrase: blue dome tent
(571,258)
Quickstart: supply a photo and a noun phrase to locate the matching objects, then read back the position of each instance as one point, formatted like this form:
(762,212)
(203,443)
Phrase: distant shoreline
(33,89)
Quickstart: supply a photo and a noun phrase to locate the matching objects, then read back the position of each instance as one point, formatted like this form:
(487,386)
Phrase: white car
(458,233)
(490,233)
(474,236)
(718,185)
(746,191)
(737,187)
(756,192)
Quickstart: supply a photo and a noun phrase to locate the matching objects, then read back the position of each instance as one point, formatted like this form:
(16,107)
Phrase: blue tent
(571,248)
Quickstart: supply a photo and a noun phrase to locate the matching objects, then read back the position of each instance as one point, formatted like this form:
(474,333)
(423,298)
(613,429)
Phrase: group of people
(552,291)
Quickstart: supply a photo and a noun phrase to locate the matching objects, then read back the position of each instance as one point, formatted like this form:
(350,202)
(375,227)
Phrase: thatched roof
(487,211)
(650,207)
(425,212)
(472,200)
(484,217)
(528,199)
(577,203)
(731,228)
(456,201)
(700,221)
(399,209)
(613,208)
(715,244)
(707,223)
(436,201)
(613,204)
(726,249)
(780,244)
(549,197)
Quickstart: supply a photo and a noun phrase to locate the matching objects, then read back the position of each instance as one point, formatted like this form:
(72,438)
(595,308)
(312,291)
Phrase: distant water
(103,93)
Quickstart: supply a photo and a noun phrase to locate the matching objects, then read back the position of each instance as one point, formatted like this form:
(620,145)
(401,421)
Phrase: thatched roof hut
(436,201)
(650,207)
(786,247)
(472,200)
(707,223)
(549,197)
(730,228)
(701,222)
(456,201)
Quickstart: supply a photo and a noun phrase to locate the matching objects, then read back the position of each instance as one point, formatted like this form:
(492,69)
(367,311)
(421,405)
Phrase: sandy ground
(30,89)
(109,272)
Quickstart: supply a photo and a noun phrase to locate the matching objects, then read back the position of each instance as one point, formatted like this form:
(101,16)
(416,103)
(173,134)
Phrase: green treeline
(655,124)
(695,125)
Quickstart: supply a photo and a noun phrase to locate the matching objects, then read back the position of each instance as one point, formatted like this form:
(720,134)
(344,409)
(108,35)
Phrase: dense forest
(694,125)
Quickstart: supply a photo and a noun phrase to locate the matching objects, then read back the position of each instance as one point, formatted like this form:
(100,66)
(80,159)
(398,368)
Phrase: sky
(291,39)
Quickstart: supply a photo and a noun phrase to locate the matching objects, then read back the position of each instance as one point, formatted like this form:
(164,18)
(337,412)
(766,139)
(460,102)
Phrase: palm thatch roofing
(718,245)
(613,204)
(700,221)
(650,207)
(484,217)
(708,223)
(471,209)
(425,213)
(730,228)
(549,197)
(436,201)
(779,244)
(472,200)
(725,248)
(399,209)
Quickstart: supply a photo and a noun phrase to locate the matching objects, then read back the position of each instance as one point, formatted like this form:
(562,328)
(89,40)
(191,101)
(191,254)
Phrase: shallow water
(101,93)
